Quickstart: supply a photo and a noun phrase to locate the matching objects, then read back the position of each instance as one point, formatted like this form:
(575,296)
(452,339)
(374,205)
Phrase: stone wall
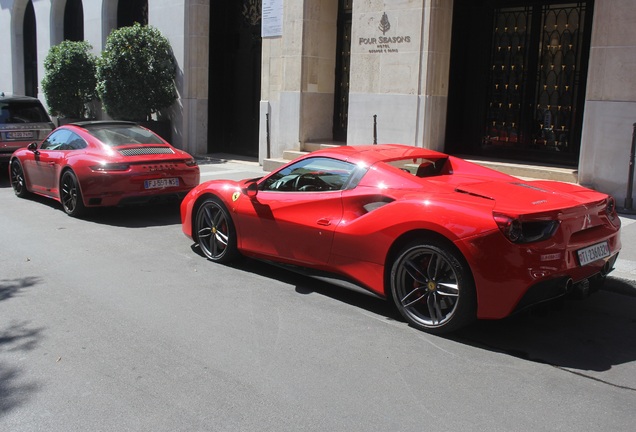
(610,107)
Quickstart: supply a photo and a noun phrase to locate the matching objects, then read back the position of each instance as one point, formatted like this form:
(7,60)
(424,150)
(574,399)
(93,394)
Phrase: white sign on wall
(272,21)
(380,35)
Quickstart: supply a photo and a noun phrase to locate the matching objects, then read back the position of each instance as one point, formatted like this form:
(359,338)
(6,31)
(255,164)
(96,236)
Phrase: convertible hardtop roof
(370,154)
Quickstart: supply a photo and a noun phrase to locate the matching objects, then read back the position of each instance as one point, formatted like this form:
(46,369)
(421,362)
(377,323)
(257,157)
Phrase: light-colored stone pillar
(400,56)
(610,106)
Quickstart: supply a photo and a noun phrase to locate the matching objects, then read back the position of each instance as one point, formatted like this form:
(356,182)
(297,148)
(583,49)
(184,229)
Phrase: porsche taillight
(525,231)
(111,167)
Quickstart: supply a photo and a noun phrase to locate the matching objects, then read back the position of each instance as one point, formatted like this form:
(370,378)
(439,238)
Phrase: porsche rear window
(17,112)
(116,135)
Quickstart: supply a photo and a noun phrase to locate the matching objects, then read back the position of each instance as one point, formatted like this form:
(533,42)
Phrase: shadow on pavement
(594,334)
(137,216)
(18,337)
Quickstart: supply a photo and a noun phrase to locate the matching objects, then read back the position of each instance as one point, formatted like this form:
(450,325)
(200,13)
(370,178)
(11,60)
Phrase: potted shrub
(135,75)
(69,82)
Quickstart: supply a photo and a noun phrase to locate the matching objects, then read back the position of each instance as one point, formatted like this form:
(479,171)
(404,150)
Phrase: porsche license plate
(593,253)
(161,183)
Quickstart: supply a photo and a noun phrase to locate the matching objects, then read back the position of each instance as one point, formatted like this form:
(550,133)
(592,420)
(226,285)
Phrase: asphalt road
(115,323)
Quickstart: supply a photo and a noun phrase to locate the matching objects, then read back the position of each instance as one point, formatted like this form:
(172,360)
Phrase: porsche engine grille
(145,151)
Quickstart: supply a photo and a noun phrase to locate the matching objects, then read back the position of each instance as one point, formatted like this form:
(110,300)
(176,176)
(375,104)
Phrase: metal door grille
(535,78)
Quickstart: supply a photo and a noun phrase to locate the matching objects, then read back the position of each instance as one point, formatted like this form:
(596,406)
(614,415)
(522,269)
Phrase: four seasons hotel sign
(384,40)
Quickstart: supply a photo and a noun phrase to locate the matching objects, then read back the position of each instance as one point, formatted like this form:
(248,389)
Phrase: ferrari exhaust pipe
(607,267)
(579,290)
(568,285)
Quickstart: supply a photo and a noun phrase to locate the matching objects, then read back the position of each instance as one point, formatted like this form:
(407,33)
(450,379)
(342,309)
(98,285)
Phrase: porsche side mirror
(33,146)
(251,190)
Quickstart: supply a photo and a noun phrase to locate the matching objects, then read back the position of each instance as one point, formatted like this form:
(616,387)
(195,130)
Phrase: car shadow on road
(142,216)
(138,216)
(306,285)
(594,334)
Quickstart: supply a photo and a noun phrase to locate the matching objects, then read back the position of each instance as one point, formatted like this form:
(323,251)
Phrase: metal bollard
(269,145)
(630,178)
(375,129)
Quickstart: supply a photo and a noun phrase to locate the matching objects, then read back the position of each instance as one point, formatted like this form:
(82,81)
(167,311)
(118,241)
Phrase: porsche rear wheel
(70,195)
(215,232)
(17,179)
(432,287)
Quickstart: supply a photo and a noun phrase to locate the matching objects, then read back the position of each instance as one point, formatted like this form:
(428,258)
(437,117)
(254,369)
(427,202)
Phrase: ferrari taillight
(525,231)
(610,210)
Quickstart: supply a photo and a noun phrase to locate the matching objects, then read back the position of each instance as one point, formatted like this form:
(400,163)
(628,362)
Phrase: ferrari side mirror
(251,190)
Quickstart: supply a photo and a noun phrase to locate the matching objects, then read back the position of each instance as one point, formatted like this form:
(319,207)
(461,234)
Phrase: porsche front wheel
(71,195)
(17,179)
(433,288)
(215,232)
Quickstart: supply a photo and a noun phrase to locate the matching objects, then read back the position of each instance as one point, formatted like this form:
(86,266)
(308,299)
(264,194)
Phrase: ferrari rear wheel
(70,195)
(17,179)
(215,232)
(432,287)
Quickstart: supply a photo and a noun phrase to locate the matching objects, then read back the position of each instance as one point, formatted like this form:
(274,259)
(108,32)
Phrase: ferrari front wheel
(71,195)
(432,287)
(17,179)
(215,231)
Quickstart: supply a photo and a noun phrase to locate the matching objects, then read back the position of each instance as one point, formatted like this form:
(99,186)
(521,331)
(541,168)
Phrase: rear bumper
(512,277)
(560,286)
(129,188)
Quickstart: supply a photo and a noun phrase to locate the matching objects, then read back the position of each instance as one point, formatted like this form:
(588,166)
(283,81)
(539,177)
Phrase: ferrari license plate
(161,183)
(593,253)
(20,135)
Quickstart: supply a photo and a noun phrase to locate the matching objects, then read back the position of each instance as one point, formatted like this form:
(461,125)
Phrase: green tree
(135,73)
(69,82)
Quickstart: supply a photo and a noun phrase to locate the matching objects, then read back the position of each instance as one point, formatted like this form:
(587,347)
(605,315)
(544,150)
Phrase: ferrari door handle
(324,222)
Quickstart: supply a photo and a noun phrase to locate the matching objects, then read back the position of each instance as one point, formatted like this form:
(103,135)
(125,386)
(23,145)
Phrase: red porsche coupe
(102,163)
(447,240)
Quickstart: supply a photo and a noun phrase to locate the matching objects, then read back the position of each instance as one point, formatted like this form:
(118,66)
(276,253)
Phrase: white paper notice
(272,22)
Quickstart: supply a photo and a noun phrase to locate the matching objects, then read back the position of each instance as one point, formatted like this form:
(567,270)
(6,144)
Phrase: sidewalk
(625,268)
(622,279)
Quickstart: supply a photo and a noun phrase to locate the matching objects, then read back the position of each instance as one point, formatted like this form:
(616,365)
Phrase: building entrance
(235,77)
(343,60)
(523,99)
(29,30)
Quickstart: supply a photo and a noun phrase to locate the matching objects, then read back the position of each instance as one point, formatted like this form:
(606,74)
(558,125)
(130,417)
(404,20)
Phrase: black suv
(23,120)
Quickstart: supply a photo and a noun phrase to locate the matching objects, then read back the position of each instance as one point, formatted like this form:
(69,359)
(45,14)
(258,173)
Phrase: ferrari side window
(310,175)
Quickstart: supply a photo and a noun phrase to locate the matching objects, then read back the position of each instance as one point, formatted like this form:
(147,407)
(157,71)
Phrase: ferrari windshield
(122,134)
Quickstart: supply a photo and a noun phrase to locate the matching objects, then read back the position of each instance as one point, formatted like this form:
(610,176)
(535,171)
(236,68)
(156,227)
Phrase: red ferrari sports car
(447,240)
(102,163)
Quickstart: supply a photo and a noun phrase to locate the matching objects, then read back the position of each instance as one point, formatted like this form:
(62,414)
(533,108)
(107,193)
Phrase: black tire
(214,231)
(432,287)
(18,182)
(71,195)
